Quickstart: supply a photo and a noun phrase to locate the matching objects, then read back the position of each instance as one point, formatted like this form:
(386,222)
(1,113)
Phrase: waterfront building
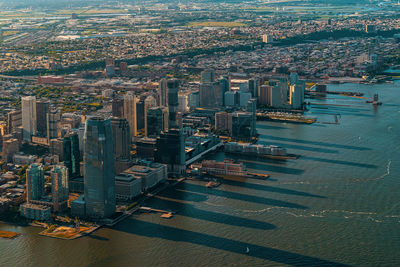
(242,125)
(297,95)
(34,182)
(130,112)
(99,185)
(28,104)
(59,187)
(35,212)
(170,149)
(150,173)
(127,186)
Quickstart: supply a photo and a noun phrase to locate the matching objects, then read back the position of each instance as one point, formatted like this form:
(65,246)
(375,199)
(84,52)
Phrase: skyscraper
(72,156)
(99,184)
(42,108)
(34,182)
(163,92)
(149,102)
(53,124)
(157,121)
(173,86)
(224,87)
(59,187)
(28,104)
(210,95)
(14,120)
(118,107)
(121,136)
(170,149)
(207,76)
(130,112)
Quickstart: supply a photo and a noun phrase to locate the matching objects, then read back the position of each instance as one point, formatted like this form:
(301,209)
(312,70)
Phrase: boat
(212,184)
(168,215)
(247,250)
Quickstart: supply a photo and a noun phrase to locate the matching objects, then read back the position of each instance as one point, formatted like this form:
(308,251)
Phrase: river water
(338,204)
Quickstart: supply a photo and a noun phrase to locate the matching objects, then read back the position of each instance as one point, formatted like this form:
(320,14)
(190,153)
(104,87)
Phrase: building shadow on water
(270,127)
(270,189)
(272,168)
(315,143)
(197,189)
(189,210)
(341,162)
(300,147)
(152,230)
(101,238)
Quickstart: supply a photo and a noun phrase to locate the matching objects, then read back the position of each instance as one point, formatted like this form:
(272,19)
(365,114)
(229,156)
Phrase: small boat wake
(385,174)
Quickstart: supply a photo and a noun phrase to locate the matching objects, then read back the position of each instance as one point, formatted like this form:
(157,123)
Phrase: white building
(28,104)
(183,103)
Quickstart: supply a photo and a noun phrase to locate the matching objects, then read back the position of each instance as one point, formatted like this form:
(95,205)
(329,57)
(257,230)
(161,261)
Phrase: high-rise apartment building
(59,187)
(163,92)
(34,182)
(28,104)
(130,112)
(53,124)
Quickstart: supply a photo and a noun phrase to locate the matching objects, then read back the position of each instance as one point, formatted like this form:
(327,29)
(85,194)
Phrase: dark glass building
(42,108)
(72,156)
(99,179)
(170,149)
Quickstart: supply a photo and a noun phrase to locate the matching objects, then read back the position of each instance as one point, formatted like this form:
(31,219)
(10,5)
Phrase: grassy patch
(7,234)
